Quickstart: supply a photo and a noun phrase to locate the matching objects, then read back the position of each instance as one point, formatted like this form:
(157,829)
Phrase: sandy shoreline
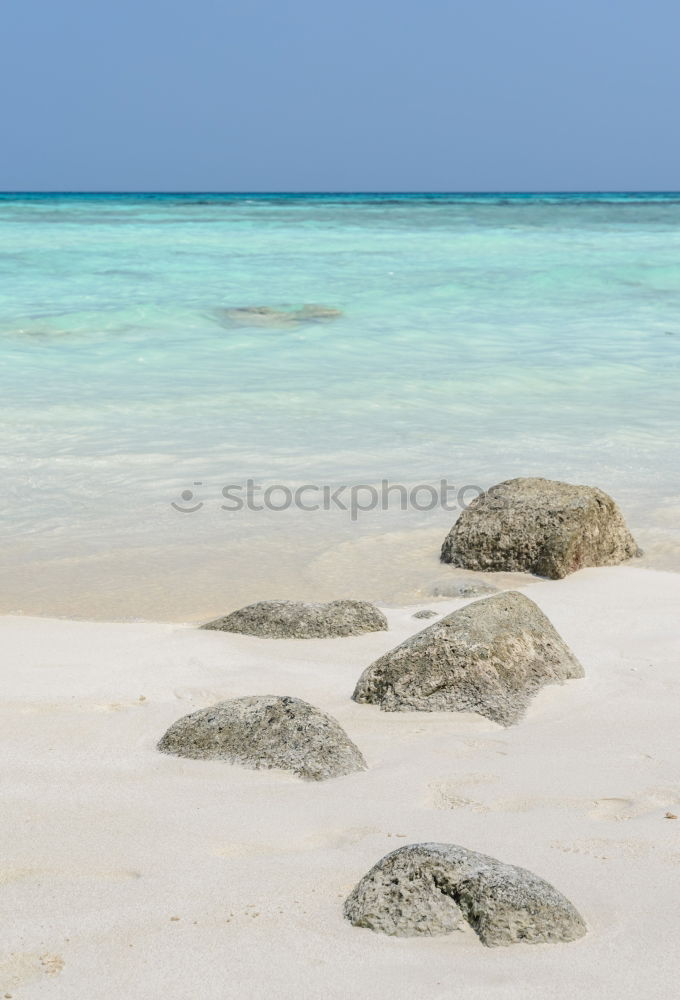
(183,569)
(106,841)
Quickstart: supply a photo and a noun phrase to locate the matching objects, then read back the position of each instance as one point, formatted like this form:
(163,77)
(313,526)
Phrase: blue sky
(311,95)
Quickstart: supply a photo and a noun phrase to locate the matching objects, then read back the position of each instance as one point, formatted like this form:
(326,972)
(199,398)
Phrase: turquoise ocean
(481,337)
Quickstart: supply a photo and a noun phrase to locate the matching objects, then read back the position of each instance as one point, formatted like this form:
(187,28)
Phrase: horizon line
(594,191)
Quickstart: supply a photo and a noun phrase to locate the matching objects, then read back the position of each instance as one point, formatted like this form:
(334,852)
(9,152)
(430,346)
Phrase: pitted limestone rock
(266,731)
(490,657)
(431,889)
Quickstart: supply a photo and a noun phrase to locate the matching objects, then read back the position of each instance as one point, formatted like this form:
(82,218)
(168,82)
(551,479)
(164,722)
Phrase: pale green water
(481,338)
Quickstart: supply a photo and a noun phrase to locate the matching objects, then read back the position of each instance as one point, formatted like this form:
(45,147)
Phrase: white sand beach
(128,873)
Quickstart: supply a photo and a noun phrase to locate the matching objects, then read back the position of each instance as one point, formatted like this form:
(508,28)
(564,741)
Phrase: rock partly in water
(303,620)
(276,318)
(473,588)
(539,526)
(426,613)
(430,889)
(490,657)
(266,731)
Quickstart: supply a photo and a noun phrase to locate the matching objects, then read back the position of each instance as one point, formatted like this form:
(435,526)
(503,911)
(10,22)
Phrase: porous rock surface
(489,657)
(266,731)
(303,620)
(539,526)
(430,889)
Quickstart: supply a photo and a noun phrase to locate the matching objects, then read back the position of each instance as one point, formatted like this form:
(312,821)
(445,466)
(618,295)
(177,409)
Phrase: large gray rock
(266,731)
(539,526)
(303,620)
(429,889)
(490,657)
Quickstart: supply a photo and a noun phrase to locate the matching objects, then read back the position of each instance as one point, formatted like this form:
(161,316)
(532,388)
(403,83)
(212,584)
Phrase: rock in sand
(539,526)
(430,889)
(490,657)
(266,731)
(303,620)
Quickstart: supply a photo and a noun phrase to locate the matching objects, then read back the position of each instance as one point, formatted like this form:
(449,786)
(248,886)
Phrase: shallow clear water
(482,337)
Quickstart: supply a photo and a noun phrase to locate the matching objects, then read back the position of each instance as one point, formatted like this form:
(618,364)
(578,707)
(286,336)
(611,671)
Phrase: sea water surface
(481,337)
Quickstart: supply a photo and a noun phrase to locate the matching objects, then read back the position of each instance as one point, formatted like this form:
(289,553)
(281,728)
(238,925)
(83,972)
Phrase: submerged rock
(263,316)
(312,313)
(303,620)
(430,889)
(266,731)
(277,318)
(490,657)
(539,526)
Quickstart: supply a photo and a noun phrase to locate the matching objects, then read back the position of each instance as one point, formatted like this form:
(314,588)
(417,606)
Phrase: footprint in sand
(8,875)
(443,796)
(114,706)
(605,809)
(447,795)
(22,967)
(651,801)
(477,778)
(313,842)
(469,747)
(202,696)
(604,850)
